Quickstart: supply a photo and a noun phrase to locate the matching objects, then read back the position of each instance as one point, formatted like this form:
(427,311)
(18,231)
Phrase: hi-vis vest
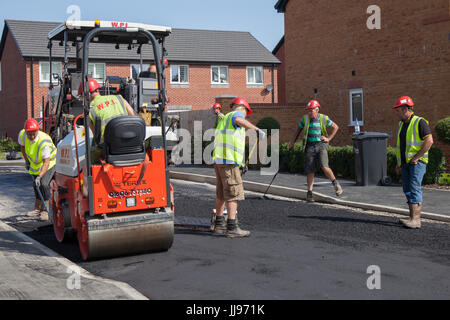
(413,141)
(106,108)
(229,143)
(34,151)
(323,127)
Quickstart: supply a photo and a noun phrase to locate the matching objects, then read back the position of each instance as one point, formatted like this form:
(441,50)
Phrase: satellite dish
(269,88)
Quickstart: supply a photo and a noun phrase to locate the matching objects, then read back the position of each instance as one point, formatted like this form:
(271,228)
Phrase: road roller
(122,204)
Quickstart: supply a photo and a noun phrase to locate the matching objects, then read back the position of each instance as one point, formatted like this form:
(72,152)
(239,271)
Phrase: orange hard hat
(242,102)
(31,125)
(405,100)
(312,105)
(217,106)
(93,86)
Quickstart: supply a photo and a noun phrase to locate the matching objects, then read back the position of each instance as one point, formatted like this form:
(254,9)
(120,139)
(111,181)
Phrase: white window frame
(179,73)
(351,92)
(104,73)
(41,80)
(228,75)
(262,73)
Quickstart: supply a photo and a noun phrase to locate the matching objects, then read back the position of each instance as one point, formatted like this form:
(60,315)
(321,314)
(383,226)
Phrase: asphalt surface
(434,201)
(297,250)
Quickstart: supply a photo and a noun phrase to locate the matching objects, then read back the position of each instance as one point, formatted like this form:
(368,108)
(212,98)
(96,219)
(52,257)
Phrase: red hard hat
(217,106)
(93,86)
(405,100)
(242,102)
(31,125)
(312,105)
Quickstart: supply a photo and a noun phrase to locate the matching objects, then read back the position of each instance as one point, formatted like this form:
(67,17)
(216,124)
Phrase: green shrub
(8,144)
(269,124)
(443,130)
(391,164)
(435,165)
(342,161)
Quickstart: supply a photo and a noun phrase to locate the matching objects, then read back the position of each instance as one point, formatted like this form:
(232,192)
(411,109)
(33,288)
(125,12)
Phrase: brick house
(203,64)
(357,72)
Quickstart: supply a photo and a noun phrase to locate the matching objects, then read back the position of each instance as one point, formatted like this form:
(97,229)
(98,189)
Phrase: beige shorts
(229,186)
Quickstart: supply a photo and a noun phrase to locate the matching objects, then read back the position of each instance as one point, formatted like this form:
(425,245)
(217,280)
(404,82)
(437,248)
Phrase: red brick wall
(200,95)
(41,89)
(287,115)
(281,75)
(410,55)
(13,98)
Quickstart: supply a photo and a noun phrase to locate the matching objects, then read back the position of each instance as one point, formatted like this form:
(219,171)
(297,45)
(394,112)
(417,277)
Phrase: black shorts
(316,152)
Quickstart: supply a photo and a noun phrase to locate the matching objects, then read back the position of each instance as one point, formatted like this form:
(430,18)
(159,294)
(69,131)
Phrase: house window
(255,75)
(219,75)
(97,71)
(356,107)
(179,74)
(136,70)
(44,71)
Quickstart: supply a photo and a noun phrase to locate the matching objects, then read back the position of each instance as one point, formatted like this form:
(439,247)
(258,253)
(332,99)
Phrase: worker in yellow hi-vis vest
(414,139)
(228,156)
(104,108)
(217,108)
(40,157)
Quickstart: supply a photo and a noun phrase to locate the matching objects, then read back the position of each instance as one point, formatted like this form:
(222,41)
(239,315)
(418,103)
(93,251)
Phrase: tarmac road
(297,251)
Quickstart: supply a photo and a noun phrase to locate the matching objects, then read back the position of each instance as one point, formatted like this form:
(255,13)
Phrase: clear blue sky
(255,16)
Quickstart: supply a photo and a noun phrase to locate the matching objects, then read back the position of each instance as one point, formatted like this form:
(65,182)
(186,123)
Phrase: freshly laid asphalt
(436,202)
(29,270)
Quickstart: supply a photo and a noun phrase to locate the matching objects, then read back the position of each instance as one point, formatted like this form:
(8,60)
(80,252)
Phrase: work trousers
(45,184)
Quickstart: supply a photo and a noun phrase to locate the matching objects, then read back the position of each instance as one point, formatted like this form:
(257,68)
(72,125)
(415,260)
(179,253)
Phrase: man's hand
(414,161)
(325,139)
(37,182)
(398,170)
(261,134)
(244,170)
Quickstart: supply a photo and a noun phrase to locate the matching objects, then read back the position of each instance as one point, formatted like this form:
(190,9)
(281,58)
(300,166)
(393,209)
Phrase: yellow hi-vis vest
(323,127)
(106,108)
(229,143)
(413,141)
(34,151)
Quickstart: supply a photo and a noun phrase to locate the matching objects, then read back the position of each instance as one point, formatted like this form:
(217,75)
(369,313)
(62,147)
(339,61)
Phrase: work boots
(309,196)
(43,216)
(37,208)
(233,230)
(337,188)
(414,217)
(220,226)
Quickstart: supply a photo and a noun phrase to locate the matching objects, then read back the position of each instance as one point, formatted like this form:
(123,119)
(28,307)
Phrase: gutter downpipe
(32,89)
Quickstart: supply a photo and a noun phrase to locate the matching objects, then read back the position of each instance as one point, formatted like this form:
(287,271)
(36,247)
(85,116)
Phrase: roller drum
(126,235)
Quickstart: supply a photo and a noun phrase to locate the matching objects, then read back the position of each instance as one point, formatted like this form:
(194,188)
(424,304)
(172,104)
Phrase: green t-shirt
(314,132)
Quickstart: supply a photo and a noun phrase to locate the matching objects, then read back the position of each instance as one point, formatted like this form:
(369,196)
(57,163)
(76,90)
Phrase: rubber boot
(404,221)
(220,226)
(414,214)
(233,230)
(37,208)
